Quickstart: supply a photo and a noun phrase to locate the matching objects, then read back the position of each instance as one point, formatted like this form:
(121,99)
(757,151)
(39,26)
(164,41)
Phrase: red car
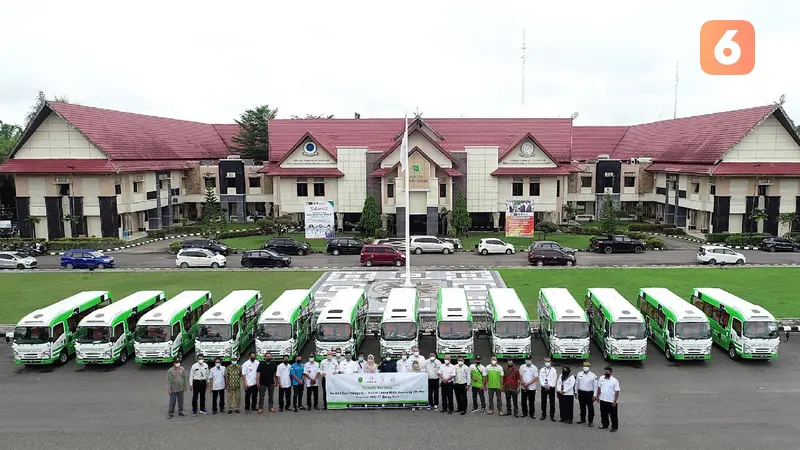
(382,255)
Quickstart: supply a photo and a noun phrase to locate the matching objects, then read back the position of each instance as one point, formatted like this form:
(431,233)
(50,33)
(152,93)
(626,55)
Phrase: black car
(265,258)
(344,246)
(551,257)
(208,244)
(288,246)
(779,244)
(551,245)
(617,244)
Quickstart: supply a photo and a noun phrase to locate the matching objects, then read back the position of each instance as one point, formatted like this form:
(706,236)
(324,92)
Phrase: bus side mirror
(9,337)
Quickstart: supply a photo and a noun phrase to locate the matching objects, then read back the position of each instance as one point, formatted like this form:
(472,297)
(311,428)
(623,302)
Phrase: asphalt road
(460,259)
(719,404)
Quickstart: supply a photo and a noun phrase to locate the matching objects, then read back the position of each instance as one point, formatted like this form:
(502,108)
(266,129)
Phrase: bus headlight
(107,353)
(527,348)
(747,348)
(614,348)
(585,349)
(469,348)
(138,353)
(45,353)
(680,349)
(556,348)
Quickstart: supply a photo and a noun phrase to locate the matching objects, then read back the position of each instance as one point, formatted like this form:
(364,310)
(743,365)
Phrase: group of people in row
(446,380)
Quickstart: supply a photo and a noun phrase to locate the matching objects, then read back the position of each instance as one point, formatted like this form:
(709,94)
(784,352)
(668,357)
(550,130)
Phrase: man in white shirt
(361,363)
(416,356)
(284,378)
(250,381)
(447,373)
(608,394)
(404,364)
(587,388)
(461,384)
(347,365)
(198,375)
(328,367)
(217,381)
(547,381)
(432,366)
(311,377)
(528,374)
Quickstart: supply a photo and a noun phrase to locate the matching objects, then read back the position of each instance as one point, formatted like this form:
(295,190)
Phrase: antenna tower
(675,103)
(523,66)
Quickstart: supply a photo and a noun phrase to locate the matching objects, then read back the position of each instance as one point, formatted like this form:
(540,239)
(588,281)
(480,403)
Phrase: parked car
(552,245)
(617,244)
(382,255)
(288,246)
(344,246)
(265,258)
(779,244)
(208,244)
(86,259)
(16,260)
(430,244)
(200,257)
(716,254)
(492,245)
(551,257)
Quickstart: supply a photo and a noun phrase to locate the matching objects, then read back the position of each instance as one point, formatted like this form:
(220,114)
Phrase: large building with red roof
(123,173)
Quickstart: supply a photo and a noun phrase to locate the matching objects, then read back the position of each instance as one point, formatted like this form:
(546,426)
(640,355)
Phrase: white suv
(715,254)
(430,244)
(200,257)
(493,245)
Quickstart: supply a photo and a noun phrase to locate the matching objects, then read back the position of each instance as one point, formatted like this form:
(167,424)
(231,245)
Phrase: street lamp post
(71,200)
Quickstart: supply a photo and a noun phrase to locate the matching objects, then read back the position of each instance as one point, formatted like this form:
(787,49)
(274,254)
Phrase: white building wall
(299,158)
(286,188)
(90,190)
(545,202)
(515,159)
(482,187)
(738,192)
(93,226)
(352,190)
(56,138)
(37,190)
(769,142)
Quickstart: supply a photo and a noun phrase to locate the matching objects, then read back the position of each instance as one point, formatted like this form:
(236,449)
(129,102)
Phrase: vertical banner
(519,218)
(320,220)
(377,390)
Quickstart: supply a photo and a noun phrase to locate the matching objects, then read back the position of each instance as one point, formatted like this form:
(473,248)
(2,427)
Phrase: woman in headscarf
(415,368)
(565,387)
(371,367)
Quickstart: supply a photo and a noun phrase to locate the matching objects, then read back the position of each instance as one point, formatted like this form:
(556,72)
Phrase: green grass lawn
(773,288)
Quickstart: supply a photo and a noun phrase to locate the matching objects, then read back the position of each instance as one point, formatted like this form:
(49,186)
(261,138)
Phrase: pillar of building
(340,221)
(496,221)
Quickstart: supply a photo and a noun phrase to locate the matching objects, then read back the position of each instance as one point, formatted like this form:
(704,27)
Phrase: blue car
(86,259)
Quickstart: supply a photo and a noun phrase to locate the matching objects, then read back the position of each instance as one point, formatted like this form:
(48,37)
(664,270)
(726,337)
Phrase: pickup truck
(617,244)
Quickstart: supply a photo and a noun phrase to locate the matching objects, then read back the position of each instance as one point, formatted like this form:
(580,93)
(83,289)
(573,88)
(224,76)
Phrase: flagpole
(408,283)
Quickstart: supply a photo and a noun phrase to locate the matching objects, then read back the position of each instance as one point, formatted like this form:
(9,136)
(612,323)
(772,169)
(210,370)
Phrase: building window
(712,189)
(210,182)
(558,188)
(442,190)
(138,187)
(390,190)
(516,189)
(586,182)
(162,184)
(763,190)
(695,188)
(118,189)
(630,179)
(255,182)
(302,187)
(533,189)
(63,189)
(319,188)
(608,182)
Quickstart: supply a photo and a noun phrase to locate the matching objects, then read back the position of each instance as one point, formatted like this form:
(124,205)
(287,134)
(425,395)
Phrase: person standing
(511,381)
(477,374)
(327,368)
(199,374)
(347,365)
(217,386)
(586,385)
(432,366)
(446,375)
(266,382)
(566,395)
(461,384)
(387,365)
(311,375)
(529,374)
(233,383)
(250,381)
(296,373)
(404,364)
(361,362)
(176,386)
(370,366)
(494,383)
(284,380)
(608,394)
(416,356)
(547,380)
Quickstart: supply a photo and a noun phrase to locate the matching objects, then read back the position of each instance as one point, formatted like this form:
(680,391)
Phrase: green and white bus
(674,325)
(228,327)
(565,330)
(400,322)
(342,323)
(742,328)
(455,335)
(106,336)
(167,332)
(285,326)
(616,325)
(47,335)
(510,332)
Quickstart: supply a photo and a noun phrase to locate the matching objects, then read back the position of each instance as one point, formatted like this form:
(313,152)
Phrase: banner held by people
(377,390)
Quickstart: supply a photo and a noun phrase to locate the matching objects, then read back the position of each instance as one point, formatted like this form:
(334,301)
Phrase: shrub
(368,240)
(638,235)
(716,238)
(381,233)
(266,226)
(584,230)
(238,233)
(673,231)
(793,236)
(653,242)
(58,245)
(745,239)
(175,246)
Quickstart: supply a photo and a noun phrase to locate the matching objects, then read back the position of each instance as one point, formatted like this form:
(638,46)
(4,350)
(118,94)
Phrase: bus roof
(285,307)
(562,305)
(342,306)
(163,314)
(105,317)
(46,315)
(683,310)
(401,306)
(616,305)
(224,311)
(506,305)
(749,311)
(453,305)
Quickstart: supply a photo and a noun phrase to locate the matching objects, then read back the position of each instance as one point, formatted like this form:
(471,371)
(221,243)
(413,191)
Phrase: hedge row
(60,245)
(752,239)
(663,228)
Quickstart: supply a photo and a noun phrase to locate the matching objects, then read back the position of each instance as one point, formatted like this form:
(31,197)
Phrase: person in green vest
(494,383)
(477,374)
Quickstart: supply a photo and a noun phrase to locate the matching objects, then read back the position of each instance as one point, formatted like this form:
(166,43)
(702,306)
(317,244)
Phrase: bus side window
(132,319)
(737,327)
(235,329)
(119,330)
(608,328)
(697,302)
(671,328)
(176,330)
(58,330)
(724,317)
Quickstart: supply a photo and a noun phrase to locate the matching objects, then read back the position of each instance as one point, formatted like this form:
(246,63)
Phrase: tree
(266,225)
(214,220)
(461,219)
(284,222)
(570,210)
(252,140)
(609,222)
(370,217)
(759,215)
(74,222)
(546,227)
(41,98)
(9,135)
(32,221)
(638,212)
(788,219)
(314,116)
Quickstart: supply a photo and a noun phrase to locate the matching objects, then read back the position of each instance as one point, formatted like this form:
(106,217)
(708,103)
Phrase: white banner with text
(377,390)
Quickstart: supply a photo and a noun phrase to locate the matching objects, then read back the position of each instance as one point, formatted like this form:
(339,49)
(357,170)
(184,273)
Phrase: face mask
(217,363)
(447,362)
(178,365)
(586,369)
(311,360)
(461,363)
(234,362)
(547,364)
(200,360)
(528,362)
(405,357)
(416,353)
(338,355)
(388,358)
(431,358)
(494,362)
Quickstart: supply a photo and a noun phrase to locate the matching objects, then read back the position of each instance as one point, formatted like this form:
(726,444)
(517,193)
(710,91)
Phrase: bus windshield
(761,330)
(213,332)
(399,331)
(333,332)
(628,330)
(692,330)
(571,330)
(274,332)
(455,330)
(512,330)
(94,335)
(31,335)
(152,333)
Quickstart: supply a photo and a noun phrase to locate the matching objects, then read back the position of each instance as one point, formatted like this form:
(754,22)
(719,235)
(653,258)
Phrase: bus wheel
(123,357)
(605,354)
(732,353)
(63,357)
(668,353)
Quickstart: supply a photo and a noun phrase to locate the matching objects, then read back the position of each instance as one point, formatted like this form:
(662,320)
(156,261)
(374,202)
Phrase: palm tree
(570,211)
(788,219)
(32,221)
(759,215)
(74,221)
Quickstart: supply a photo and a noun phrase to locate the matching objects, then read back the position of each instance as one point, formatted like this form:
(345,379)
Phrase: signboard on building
(420,173)
(519,218)
(320,220)
(5,224)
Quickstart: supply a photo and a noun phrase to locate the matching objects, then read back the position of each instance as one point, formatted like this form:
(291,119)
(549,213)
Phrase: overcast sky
(613,62)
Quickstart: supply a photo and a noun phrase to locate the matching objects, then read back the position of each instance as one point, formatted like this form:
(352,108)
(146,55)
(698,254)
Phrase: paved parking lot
(719,404)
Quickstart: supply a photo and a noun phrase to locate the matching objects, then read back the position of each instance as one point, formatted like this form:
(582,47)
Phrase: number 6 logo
(727,47)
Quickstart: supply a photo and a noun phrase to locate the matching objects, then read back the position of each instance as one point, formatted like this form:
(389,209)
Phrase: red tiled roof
(377,173)
(47,166)
(436,144)
(697,169)
(756,168)
(276,170)
(453,173)
(227,132)
(589,142)
(158,164)
(560,170)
